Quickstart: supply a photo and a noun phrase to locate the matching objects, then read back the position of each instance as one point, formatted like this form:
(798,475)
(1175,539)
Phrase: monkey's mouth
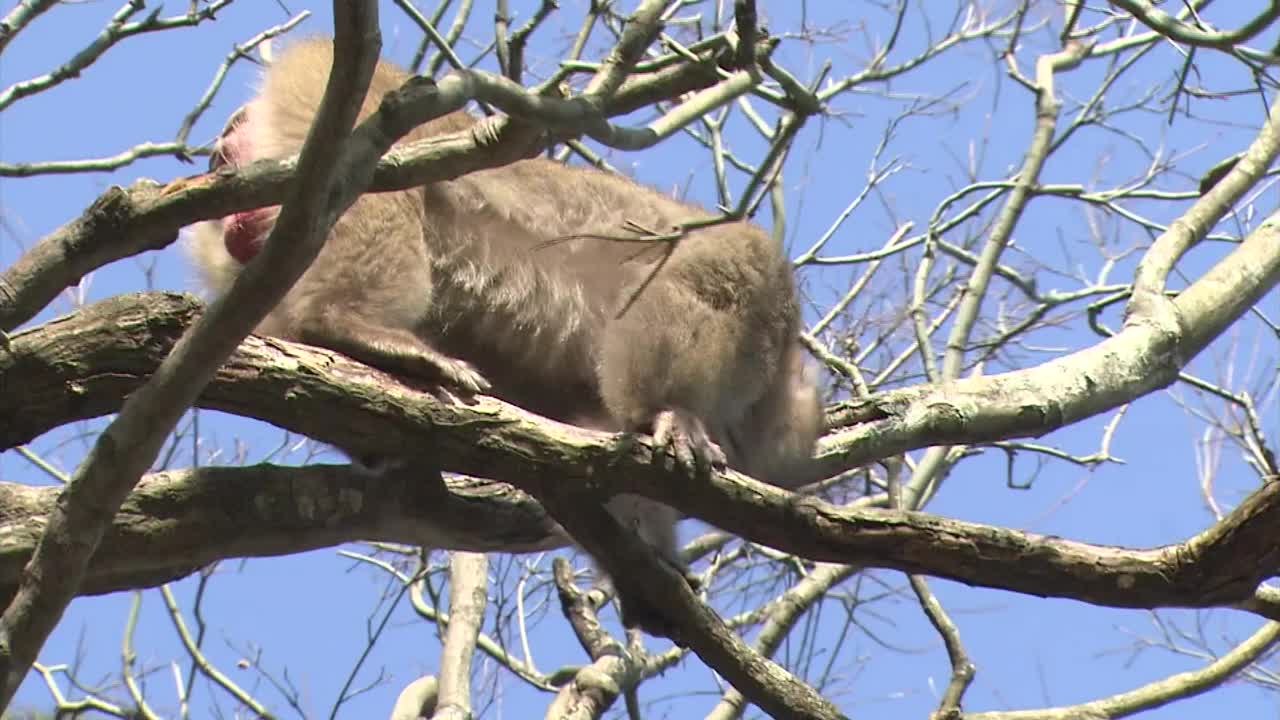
(244,232)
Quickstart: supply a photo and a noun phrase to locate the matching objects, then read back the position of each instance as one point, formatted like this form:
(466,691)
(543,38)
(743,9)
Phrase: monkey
(532,282)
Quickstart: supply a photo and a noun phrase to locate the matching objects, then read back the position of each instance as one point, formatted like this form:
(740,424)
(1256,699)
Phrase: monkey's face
(243,232)
(232,143)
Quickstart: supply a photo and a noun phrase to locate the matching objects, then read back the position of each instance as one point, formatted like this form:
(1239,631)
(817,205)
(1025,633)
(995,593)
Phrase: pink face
(243,232)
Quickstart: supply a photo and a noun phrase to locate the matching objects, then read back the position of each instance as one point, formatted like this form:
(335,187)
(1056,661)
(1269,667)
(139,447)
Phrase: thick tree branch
(1242,175)
(417,700)
(175,522)
(780,619)
(81,366)
(641,577)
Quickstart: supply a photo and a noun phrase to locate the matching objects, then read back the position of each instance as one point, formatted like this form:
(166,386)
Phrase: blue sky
(308,613)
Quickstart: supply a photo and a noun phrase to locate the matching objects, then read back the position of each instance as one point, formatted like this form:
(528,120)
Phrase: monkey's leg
(669,365)
(388,348)
(655,523)
(394,350)
(666,364)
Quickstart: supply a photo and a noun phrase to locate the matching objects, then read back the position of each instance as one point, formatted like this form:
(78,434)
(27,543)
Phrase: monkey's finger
(475,382)
(715,455)
(670,436)
(663,426)
(687,455)
(690,451)
(687,439)
(707,452)
(664,430)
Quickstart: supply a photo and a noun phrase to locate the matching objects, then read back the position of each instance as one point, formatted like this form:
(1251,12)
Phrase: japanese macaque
(531,282)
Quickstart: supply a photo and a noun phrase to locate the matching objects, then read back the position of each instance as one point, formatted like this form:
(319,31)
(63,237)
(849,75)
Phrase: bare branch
(117,29)
(21,16)
(1156,694)
(1153,17)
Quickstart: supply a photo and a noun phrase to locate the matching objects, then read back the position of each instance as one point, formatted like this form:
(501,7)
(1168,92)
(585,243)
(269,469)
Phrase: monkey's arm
(388,348)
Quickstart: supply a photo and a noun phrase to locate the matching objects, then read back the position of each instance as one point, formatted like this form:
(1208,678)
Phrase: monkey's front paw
(450,378)
(459,375)
(686,437)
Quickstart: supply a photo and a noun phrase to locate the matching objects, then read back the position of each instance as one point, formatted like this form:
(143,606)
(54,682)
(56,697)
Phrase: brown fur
(506,271)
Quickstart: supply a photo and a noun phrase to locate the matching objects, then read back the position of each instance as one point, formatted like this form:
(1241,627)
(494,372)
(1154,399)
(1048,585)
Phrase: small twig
(200,662)
(117,29)
(962,668)
(443,45)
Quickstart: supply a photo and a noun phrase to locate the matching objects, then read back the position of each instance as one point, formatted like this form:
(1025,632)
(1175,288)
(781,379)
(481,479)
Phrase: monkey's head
(244,232)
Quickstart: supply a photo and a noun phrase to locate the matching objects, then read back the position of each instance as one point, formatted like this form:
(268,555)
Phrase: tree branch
(613,670)
(174,523)
(83,365)
(1145,356)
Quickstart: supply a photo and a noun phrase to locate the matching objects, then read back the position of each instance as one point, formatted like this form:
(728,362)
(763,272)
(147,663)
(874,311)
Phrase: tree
(957,339)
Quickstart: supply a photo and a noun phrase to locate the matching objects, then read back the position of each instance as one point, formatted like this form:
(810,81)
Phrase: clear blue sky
(308,613)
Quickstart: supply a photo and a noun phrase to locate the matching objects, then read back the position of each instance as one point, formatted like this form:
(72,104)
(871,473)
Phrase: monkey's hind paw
(686,437)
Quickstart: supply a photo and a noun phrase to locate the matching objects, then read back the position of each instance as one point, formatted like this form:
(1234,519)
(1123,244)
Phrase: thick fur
(512,271)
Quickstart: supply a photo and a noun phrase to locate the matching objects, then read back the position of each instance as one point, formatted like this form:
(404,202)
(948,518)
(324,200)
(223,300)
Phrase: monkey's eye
(217,159)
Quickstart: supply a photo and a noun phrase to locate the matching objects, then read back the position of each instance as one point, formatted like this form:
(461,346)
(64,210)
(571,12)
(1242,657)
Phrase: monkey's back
(546,254)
